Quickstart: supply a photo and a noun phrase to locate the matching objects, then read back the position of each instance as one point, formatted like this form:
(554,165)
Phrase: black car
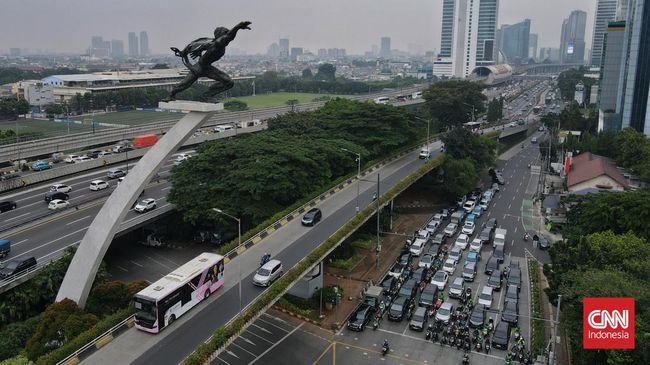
(512,293)
(7,206)
(542,242)
(501,336)
(493,171)
(491,224)
(421,274)
(434,249)
(312,217)
(491,265)
(16,266)
(439,239)
(360,318)
(477,317)
(390,285)
(485,236)
(495,280)
(405,259)
(514,277)
(409,288)
(52,195)
(499,253)
(400,308)
(428,296)
(510,312)
(94,154)
(7,177)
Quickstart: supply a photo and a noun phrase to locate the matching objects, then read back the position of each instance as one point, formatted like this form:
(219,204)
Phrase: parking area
(407,343)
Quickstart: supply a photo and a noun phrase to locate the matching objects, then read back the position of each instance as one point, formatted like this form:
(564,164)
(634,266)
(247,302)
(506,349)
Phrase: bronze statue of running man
(207,50)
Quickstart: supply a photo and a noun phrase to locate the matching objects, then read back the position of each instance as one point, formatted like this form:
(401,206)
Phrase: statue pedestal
(190,106)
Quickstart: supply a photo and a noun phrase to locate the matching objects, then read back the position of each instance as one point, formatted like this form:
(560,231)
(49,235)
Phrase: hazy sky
(67,25)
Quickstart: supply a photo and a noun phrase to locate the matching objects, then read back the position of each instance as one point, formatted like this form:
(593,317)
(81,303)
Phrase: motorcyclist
(386,344)
(265,258)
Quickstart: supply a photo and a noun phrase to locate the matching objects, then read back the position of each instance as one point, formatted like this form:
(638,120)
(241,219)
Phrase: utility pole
(553,358)
(378,242)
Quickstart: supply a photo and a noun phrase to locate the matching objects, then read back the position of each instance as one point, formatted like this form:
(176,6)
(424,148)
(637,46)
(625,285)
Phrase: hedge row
(537,341)
(276,217)
(78,342)
(222,335)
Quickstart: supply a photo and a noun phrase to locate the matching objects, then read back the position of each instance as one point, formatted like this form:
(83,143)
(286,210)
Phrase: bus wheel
(207,294)
(171,319)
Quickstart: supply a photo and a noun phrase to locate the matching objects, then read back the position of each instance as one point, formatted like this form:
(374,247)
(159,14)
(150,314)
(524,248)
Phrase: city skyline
(366,21)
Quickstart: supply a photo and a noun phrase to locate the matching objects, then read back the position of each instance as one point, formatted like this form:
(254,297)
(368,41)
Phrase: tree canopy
(326,71)
(461,143)
(450,102)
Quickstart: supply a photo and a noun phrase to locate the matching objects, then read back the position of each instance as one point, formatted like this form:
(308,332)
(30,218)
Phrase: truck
(499,237)
(373,296)
(145,140)
(457,217)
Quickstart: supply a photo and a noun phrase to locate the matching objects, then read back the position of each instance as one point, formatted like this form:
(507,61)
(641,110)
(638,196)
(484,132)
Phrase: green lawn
(277,99)
(48,128)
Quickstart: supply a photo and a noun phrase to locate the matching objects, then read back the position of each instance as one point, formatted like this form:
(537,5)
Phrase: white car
(449,266)
(145,205)
(476,245)
(423,234)
(180,158)
(57,204)
(443,314)
(457,288)
(468,228)
(425,153)
(440,279)
(432,226)
(426,261)
(417,247)
(70,158)
(83,159)
(451,229)
(96,185)
(462,241)
(455,253)
(484,203)
(469,206)
(485,298)
(267,274)
(63,188)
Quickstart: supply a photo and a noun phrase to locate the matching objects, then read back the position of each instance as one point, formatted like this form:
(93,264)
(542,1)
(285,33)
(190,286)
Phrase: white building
(467,38)
(36,92)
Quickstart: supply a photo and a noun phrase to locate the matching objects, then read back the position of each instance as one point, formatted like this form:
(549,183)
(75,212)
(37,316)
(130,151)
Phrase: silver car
(268,273)
(444,312)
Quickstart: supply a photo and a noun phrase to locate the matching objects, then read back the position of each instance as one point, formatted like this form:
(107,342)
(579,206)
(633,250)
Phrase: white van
(222,128)
(382,100)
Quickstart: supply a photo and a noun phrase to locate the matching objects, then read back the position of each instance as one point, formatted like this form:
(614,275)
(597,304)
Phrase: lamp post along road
(358,173)
(238,247)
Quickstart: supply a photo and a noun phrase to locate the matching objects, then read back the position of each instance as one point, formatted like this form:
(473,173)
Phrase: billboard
(570,47)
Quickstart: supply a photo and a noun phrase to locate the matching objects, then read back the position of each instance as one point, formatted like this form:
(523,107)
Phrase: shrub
(14,337)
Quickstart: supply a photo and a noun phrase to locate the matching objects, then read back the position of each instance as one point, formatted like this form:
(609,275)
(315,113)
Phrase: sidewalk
(354,281)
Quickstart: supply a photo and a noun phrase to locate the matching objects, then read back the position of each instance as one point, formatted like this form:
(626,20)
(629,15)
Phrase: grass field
(277,99)
(46,127)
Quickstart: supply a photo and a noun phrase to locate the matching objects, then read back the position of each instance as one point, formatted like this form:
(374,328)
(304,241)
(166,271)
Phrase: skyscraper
(133,45)
(144,44)
(284,48)
(467,37)
(514,41)
(384,51)
(610,70)
(295,52)
(633,90)
(532,45)
(572,42)
(117,48)
(605,12)
(99,48)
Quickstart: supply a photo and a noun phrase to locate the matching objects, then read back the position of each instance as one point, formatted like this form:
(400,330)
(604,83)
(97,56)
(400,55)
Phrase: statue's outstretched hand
(245,25)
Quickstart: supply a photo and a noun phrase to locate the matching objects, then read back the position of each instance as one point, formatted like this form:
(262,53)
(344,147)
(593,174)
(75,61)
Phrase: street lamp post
(238,247)
(358,173)
(472,105)
(428,120)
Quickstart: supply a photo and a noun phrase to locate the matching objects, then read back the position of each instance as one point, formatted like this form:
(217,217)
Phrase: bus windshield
(145,309)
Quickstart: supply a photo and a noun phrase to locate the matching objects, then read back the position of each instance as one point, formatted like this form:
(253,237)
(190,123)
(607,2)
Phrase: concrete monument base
(190,106)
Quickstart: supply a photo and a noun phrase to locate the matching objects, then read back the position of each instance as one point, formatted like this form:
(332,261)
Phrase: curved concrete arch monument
(83,268)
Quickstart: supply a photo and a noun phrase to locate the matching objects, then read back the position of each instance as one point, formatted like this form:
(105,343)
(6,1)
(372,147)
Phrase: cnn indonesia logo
(608,323)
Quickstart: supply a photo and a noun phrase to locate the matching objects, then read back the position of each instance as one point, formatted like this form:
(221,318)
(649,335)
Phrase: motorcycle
(467,344)
(429,333)
(459,343)
(434,337)
(487,345)
(375,323)
(465,358)
(264,259)
(384,349)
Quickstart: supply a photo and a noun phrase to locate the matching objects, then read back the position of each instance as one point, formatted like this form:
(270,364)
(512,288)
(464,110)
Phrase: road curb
(298,316)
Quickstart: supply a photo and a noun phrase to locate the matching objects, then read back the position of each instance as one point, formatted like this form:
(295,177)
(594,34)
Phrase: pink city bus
(164,301)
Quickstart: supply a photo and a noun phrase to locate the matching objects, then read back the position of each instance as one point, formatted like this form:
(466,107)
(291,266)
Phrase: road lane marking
(262,328)
(77,220)
(30,204)
(19,242)
(121,268)
(258,336)
(167,188)
(18,216)
(509,206)
(277,343)
(235,344)
(136,264)
(58,239)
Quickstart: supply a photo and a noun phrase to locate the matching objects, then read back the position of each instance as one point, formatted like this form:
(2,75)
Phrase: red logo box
(608,323)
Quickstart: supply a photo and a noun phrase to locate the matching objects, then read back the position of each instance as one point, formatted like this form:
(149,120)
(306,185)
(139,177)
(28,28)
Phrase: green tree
(494,110)
(326,71)
(14,336)
(451,102)
(461,143)
(306,73)
(568,80)
(61,321)
(109,297)
(18,360)
(458,177)
(53,109)
(235,105)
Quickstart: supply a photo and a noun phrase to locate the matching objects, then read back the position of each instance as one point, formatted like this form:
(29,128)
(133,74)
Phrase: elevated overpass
(544,68)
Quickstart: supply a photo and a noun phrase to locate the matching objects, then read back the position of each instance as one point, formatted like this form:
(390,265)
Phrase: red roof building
(593,171)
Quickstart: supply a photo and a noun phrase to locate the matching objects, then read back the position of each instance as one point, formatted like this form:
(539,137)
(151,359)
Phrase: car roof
(446,305)
(97,181)
(313,210)
(487,289)
(271,264)
(458,280)
(56,201)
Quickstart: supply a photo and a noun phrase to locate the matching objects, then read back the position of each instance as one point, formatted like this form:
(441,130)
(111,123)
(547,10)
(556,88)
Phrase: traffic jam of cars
(453,282)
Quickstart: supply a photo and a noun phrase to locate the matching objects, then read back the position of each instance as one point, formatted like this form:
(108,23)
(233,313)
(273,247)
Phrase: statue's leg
(222,82)
(184,84)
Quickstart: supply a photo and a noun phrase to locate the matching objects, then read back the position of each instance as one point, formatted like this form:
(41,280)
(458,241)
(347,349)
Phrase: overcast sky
(67,25)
